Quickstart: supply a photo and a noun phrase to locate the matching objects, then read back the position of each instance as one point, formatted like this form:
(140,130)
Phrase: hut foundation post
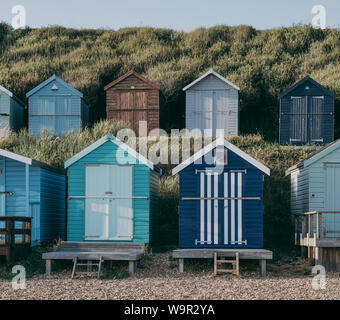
(131,267)
(181,265)
(263,265)
(48,267)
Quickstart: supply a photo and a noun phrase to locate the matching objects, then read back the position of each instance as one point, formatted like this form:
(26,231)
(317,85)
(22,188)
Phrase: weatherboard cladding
(326,116)
(189,211)
(145,184)
(310,190)
(59,111)
(46,194)
(12,114)
(211,93)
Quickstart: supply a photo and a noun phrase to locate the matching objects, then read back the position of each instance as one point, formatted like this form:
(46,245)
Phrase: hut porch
(318,242)
(89,251)
(245,254)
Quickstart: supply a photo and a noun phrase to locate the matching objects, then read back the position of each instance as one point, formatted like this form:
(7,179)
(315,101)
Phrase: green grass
(262,63)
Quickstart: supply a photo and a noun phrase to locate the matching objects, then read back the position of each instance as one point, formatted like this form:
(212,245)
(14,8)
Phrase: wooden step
(233,262)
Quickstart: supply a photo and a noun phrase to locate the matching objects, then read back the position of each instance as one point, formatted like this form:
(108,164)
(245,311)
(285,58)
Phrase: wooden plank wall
(132,100)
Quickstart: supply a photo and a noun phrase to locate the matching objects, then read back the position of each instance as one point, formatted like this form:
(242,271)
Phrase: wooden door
(221,221)
(316,113)
(331,222)
(298,120)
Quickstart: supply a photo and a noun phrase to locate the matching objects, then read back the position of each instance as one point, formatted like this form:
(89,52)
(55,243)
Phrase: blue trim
(56,78)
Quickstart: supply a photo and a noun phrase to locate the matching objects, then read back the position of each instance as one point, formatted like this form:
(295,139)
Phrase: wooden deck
(244,254)
(89,251)
(318,246)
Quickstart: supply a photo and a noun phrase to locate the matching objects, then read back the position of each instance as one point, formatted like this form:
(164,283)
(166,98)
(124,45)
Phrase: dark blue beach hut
(57,107)
(221,198)
(30,188)
(306,114)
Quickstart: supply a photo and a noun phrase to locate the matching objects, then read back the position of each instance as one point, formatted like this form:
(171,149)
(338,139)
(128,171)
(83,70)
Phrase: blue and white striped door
(221,220)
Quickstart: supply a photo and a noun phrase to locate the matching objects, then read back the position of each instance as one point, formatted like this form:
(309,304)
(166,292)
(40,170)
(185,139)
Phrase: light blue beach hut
(30,188)
(57,107)
(112,194)
(12,112)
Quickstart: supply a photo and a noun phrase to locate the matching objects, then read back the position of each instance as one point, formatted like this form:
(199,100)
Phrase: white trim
(114,140)
(239,207)
(209,208)
(216,208)
(202,207)
(316,157)
(9,93)
(228,145)
(232,209)
(226,216)
(216,75)
(14,156)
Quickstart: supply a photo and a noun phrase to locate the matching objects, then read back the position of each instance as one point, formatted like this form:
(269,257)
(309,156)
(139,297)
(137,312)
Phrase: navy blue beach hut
(221,198)
(57,107)
(306,114)
(30,188)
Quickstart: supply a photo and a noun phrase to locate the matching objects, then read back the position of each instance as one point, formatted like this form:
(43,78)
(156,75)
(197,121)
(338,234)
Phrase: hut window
(307,88)
(54,88)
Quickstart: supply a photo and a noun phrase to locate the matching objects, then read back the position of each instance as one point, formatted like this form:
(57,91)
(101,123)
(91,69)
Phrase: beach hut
(221,203)
(212,104)
(112,194)
(315,205)
(135,101)
(306,113)
(57,107)
(12,112)
(29,188)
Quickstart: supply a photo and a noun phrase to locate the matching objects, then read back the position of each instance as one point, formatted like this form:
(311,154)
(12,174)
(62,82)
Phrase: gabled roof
(124,146)
(299,83)
(46,82)
(211,71)
(29,161)
(10,94)
(137,75)
(226,144)
(315,156)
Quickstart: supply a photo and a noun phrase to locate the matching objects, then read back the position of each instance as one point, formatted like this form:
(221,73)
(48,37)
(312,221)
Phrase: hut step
(88,265)
(235,265)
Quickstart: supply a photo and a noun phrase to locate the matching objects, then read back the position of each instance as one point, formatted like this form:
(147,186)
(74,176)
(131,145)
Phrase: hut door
(109,211)
(203,112)
(315,119)
(298,120)
(221,209)
(331,222)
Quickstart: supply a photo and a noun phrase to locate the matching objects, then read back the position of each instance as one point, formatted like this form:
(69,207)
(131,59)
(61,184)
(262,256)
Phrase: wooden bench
(110,251)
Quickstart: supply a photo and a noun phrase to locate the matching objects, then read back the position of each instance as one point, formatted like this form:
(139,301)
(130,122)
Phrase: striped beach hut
(112,194)
(221,198)
(30,188)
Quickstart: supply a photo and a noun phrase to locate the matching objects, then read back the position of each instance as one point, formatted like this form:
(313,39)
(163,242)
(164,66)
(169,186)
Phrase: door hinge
(245,242)
(202,242)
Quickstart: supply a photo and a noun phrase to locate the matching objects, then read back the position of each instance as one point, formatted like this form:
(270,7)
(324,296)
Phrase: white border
(228,145)
(114,140)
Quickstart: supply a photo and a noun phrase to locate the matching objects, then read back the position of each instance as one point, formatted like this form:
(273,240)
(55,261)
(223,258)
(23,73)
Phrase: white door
(108,212)
(331,222)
